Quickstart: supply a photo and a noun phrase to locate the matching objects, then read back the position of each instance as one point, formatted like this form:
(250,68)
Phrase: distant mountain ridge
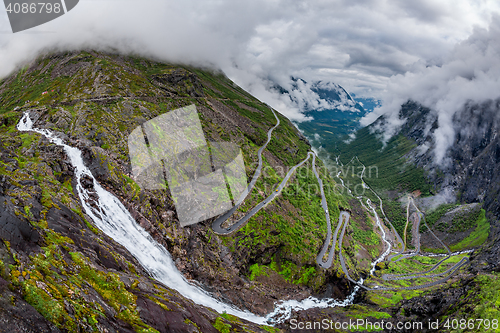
(335,113)
(336,96)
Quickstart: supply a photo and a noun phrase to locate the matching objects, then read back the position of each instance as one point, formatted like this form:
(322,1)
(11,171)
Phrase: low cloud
(358,44)
(469,73)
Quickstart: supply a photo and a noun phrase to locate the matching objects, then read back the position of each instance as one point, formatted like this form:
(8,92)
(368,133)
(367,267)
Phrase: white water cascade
(388,250)
(114,220)
(283,311)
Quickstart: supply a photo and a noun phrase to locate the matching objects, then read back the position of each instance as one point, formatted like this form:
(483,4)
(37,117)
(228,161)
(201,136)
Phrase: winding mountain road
(342,223)
(117,223)
(343,215)
(217,224)
(424,274)
(343,219)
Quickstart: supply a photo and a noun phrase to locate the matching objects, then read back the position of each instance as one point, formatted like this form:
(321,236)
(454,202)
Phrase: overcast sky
(367,46)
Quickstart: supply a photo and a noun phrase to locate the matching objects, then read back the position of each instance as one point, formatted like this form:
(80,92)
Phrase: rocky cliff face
(474,157)
(472,175)
(474,169)
(60,273)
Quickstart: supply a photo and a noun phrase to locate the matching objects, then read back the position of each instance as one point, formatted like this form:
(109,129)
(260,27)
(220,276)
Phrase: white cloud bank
(358,44)
(469,73)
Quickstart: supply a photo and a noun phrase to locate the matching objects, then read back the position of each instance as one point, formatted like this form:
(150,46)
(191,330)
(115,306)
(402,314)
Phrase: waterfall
(114,220)
(283,311)
(388,250)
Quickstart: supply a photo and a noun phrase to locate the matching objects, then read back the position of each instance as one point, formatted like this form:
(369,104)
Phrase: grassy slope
(393,170)
(394,173)
(294,222)
(330,125)
(474,221)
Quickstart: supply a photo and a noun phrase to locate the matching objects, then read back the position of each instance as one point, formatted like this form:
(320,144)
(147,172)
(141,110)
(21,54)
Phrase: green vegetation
(294,222)
(2,270)
(488,297)
(53,287)
(288,270)
(387,299)
(463,222)
(48,307)
(112,289)
(407,266)
(477,237)
(367,237)
(360,311)
(270,329)
(280,241)
(221,326)
(438,213)
(19,92)
(220,86)
(363,312)
(396,213)
(256,270)
(230,317)
(482,302)
(57,284)
(464,218)
(390,169)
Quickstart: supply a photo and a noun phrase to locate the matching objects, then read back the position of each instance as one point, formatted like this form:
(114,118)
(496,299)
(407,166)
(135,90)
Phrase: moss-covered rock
(94,101)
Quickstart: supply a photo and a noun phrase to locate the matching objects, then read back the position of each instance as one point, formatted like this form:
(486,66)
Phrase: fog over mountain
(142,190)
(357,44)
(470,73)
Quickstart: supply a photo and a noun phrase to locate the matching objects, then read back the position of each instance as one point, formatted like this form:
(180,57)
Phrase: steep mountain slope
(59,272)
(460,199)
(472,160)
(55,259)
